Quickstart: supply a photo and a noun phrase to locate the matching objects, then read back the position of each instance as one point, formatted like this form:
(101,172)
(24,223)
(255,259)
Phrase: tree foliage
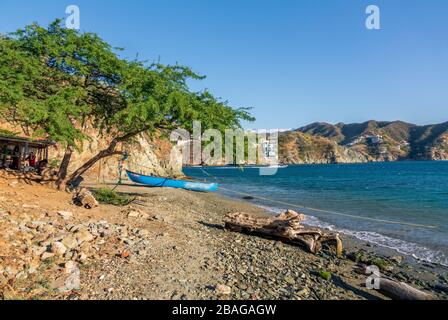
(54,81)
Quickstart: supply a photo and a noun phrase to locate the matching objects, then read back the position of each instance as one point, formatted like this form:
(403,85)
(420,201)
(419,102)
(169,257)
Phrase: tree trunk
(286,226)
(110,151)
(63,168)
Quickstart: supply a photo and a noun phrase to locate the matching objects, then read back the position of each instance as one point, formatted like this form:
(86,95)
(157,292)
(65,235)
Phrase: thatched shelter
(15,150)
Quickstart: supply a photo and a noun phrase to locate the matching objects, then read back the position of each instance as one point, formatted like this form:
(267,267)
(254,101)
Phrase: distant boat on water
(171,183)
(234,166)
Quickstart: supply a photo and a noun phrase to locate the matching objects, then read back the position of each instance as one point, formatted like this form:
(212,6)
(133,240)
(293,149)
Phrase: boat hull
(171,183)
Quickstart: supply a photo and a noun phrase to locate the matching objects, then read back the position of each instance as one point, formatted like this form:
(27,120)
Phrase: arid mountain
(346,133)
(430,141)
(364,142)
(296,147)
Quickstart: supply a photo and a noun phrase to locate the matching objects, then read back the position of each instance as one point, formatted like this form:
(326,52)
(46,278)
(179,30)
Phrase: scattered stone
(358,257)
(3,280)
(443,278)
(441,287)
(125,254)
(11,271)
(13,184)
(305,292)
(223,290)
(33,225)
(290,280)
(144,216)
(33,266)
(83,256)
(70,242)
(30,206)
(382,264)
(71,279)
(397,259)
(46,256)
(66,215)
(22,275)
(133,214)
(83,236)
(143,233)
(58,248)
(85,198)
(70,267)
(38,251)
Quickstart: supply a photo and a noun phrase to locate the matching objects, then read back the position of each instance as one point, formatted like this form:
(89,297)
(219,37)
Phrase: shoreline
(402,224)
(404,267)
(171,244)
(350,234)
(353,243)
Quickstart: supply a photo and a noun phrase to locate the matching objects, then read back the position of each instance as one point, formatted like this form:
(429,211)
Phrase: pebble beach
(171,244)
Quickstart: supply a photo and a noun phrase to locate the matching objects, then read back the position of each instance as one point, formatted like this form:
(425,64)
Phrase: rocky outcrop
(370,141)
(300,148)
(146,154)
(152,155)
(439,150)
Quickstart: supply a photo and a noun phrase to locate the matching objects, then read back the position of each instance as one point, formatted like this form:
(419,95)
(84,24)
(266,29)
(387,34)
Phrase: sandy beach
(171,244)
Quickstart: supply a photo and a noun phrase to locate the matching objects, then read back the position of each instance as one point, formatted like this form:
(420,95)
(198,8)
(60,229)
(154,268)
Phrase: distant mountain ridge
(322,142)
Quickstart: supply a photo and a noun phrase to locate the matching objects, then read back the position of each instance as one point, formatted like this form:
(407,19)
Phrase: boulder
(70,242)
(70,267)
(66,215)
(223,290)
(133,214)
(46,256)
(83,236)
(85,198)
(58,248)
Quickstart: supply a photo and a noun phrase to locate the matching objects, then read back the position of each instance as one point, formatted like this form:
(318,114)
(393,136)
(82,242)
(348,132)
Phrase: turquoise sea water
(408,192)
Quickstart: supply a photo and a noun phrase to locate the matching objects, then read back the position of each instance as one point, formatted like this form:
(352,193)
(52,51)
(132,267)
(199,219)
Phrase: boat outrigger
(171,183)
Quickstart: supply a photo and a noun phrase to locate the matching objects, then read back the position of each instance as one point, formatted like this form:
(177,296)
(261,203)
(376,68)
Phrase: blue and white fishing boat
(171,183)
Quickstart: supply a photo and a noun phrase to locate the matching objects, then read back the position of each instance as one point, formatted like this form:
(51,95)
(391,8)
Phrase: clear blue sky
(295,62)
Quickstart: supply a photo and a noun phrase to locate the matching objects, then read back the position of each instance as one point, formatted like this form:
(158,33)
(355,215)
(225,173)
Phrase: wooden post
(19,165)
(26,149)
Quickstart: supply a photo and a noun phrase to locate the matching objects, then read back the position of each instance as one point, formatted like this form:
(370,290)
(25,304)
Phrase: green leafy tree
(55,80)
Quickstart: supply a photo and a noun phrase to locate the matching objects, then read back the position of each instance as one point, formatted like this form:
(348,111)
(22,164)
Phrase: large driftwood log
(286,226)
(401,291)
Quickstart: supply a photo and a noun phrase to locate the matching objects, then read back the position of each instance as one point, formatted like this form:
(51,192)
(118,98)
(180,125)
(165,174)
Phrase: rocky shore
(171,244)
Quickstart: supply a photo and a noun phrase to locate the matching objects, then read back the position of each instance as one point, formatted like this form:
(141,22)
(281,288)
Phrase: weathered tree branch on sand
(401,291)
(286,226)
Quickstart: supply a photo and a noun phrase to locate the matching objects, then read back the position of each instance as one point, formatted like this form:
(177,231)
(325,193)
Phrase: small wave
(414,250)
